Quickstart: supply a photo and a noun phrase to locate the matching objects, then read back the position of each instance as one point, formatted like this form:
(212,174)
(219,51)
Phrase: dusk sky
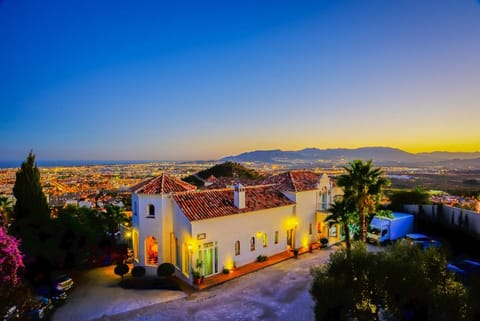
(179,80)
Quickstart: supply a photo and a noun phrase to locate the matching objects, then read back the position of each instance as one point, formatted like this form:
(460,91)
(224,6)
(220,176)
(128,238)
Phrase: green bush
(404,278)
(261,258)
(138,271)
(324,241)
(165,269)
(121,269)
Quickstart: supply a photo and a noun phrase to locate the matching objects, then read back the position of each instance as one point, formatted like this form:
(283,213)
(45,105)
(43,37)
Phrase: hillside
(227,169)
(380,155)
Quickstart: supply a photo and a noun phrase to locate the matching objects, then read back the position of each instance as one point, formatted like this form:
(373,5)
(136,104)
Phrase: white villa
(223,228)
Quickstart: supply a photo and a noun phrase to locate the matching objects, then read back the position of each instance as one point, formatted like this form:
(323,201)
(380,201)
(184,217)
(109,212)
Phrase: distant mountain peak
(379,154)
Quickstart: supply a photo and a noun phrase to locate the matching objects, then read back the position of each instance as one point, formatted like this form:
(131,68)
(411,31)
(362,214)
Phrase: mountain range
(380,156)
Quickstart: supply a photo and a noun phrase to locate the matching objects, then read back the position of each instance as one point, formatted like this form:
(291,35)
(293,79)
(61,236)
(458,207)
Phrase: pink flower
(11,260)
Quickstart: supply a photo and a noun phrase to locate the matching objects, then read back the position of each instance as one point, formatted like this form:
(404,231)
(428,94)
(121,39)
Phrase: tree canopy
(400,198)
(343,212)
(362,184)
(398,283)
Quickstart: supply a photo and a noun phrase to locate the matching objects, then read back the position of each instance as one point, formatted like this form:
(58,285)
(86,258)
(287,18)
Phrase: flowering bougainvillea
(11,261)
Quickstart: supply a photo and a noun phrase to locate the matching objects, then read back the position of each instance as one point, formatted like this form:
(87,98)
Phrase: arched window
(151,210)
(265,240)
(237,248)
(252,243)
(276,237)
(151,251)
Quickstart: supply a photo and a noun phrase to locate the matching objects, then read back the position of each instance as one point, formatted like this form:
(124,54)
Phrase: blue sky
(206,79)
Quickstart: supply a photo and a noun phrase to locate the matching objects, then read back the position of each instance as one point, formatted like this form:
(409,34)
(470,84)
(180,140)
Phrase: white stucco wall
(182,230)
(227,230)
(306,212)
(148,226)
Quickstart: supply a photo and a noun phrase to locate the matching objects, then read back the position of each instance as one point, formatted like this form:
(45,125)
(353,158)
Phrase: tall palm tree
(341,212)
(362,185)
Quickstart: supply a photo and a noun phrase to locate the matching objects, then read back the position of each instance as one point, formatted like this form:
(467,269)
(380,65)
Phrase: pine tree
(31,205)
(31,214)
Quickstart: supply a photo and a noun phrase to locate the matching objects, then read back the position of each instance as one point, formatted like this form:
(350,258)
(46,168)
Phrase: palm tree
(6,210)
(342,213)
(362,186)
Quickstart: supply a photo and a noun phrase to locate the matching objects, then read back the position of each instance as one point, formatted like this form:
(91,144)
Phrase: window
(177,253)
(276,237)
(310,229)
(135,245)
(151,251)
(186,259)
(151,210)
(265,240)
(207,262)
(333,231)
(134,208)
(237,248)
(252,243)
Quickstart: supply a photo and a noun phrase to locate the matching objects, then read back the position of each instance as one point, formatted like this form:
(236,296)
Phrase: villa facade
(213,229)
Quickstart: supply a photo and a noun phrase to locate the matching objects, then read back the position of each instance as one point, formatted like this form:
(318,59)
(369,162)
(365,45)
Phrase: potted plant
(323,242)
(295,253)
(197,276)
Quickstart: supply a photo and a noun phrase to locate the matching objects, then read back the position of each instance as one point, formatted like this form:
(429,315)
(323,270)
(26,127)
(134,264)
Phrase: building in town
(209,230)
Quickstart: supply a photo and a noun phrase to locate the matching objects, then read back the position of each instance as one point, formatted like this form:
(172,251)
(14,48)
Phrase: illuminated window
(186,259)
(237,248)
(252,243)
(151,210)
(151,251)
(265,240)
(276,237)
(135,245)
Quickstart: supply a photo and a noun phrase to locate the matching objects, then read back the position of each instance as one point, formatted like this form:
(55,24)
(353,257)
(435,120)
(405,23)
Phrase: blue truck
(385,230)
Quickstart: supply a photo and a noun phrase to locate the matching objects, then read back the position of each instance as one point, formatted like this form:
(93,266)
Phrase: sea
(71,163)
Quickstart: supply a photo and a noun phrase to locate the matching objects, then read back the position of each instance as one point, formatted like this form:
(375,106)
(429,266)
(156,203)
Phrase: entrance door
(209,255)
(291,238)
(208,261)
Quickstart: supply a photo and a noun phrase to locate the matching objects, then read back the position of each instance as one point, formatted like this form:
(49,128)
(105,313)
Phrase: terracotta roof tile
(223,182)
(162,184)
(294,181)
(200,205)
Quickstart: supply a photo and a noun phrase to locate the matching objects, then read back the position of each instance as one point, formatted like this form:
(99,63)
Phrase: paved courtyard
(97,294)
(278,292)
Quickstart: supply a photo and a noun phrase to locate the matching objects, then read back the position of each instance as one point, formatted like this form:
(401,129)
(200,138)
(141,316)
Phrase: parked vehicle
(384,230)
(465,269)
(12,313)
(58,297)
(63,283)
(40,308)
(422,240)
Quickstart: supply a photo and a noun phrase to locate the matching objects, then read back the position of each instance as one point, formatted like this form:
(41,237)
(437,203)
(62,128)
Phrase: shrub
(138,271)
(405,279)
(323,241)
(121,269)
(226,271)
(165,269)
(261,258)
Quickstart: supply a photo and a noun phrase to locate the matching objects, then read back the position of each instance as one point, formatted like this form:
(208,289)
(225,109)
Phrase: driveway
(96,294)
(278,292)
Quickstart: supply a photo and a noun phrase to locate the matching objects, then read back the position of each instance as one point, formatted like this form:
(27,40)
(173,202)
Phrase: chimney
(239,196)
